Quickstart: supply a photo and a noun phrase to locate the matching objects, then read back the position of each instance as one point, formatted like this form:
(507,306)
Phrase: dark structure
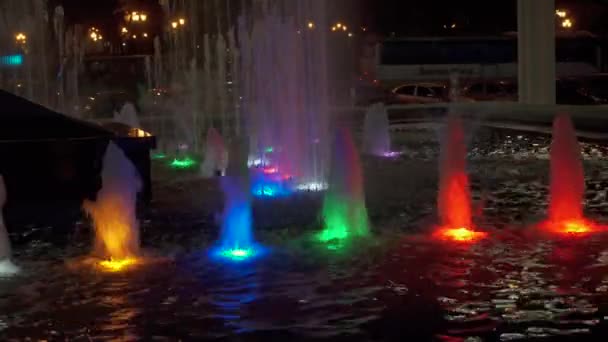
(47,157)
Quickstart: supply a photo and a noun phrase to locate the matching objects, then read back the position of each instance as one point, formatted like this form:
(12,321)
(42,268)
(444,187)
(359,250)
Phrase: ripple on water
(512,286)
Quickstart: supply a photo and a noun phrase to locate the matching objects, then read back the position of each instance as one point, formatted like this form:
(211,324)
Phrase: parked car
(416,93)
(570,92)
(567,91)
(490,90)
(594,87)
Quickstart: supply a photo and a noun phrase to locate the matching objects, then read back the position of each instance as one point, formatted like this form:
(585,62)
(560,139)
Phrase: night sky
(404,17)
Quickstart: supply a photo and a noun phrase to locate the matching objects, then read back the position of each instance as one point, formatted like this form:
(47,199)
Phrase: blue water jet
(236,241)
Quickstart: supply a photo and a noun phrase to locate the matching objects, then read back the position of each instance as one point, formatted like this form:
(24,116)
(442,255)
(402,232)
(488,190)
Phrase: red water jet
(567,183)
(454,198)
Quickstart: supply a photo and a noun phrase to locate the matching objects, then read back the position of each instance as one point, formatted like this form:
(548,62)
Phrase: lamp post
(21,38)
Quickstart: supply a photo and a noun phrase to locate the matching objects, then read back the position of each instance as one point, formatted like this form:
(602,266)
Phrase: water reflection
(118,324)
(510,287)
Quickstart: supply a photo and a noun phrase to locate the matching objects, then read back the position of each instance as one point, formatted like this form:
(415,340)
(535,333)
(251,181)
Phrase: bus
(435,59)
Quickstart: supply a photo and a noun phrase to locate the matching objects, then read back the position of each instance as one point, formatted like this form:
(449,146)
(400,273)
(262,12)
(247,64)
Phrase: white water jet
(216,155)
(127,115)
(376,134)
(7,268)
(284,79)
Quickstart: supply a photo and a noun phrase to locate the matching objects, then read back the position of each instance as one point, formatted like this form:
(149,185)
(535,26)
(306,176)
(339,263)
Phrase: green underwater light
(333,233)
(342,220)
(184,163)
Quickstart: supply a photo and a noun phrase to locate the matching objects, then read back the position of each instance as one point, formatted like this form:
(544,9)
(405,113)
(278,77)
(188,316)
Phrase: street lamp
(182,21)
(567,23)
(94,34)
(174,24)
(561,13)
(311,25)
(21,38)
(136,16)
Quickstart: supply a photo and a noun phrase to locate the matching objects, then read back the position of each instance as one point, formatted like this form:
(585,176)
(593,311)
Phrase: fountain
(127,115)
(284,83)
(376,135)
(236,240)
(7,268)
(454,198)
(216,155)
(114,211)
(344,212)
(567,181)
(32,77)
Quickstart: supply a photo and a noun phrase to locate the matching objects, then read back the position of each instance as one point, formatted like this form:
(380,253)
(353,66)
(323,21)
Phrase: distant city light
(94,34)
(174,24)
(567,23)
(145,35)
(182,21)
(124,30)
(21,38)
(311,25)
(350,34)
(453,25)
(339,25)
(561,13)
(136,17)
(344,28)
(134,36)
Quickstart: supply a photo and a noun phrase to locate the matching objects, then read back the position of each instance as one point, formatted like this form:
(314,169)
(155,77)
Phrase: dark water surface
(399,285)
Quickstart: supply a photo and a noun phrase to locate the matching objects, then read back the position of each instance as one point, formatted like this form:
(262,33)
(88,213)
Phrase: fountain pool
(398,284)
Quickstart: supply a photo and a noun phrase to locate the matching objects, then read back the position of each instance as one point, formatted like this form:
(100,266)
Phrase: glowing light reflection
(270,170)
(312,186)
(117,265)
(257,162)
(571,227)
(184,163)
(392,154)
(237,254)
(461,234)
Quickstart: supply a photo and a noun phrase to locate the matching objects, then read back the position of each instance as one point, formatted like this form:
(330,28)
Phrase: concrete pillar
(536,51)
